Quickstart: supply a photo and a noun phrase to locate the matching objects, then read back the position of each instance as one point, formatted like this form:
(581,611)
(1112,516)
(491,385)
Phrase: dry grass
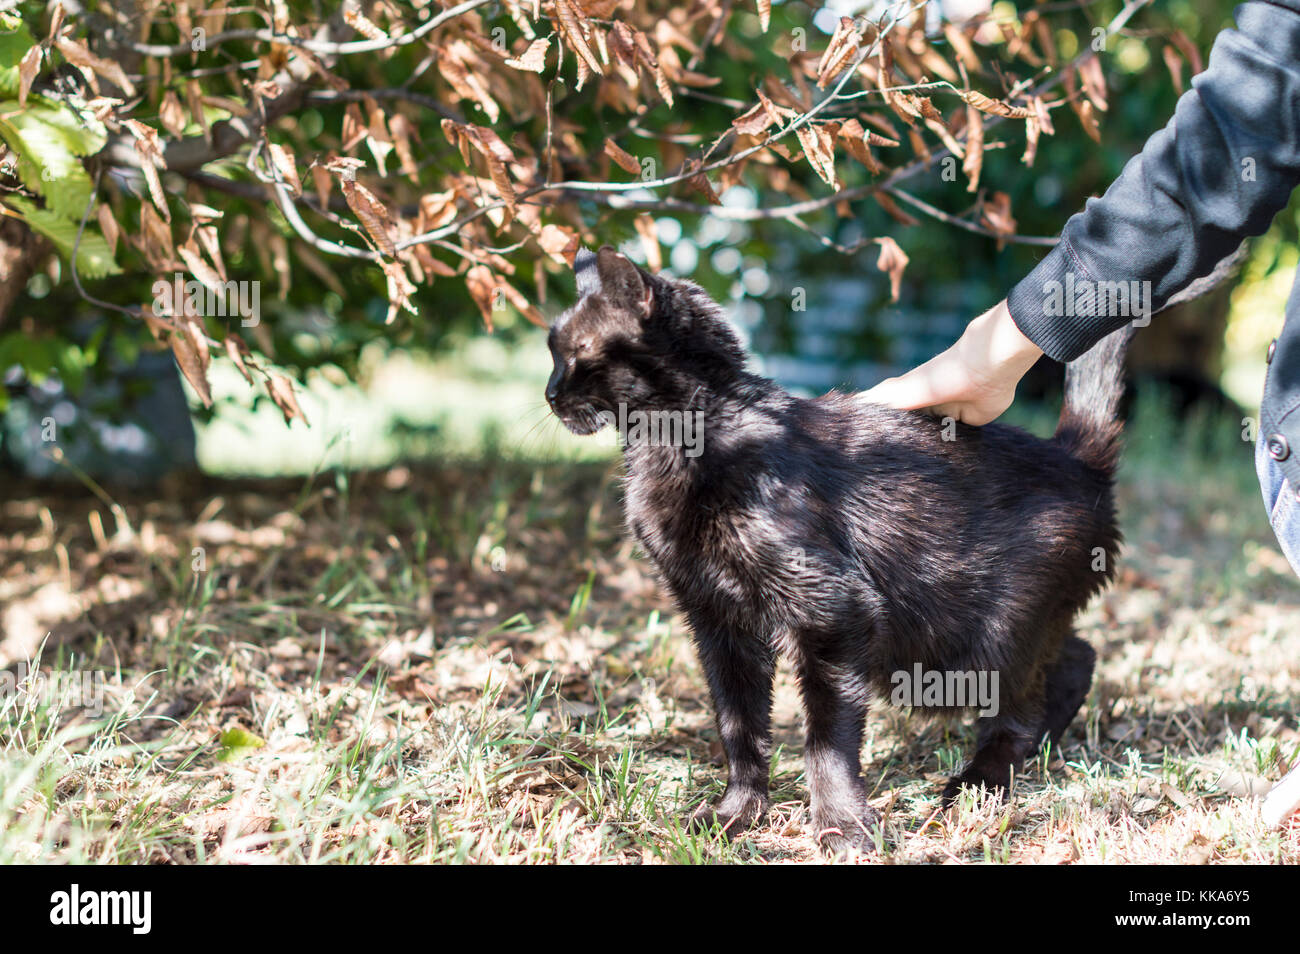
(471,664)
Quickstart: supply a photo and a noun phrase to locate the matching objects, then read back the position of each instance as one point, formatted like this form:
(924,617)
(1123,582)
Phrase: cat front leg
(740,674)
(835,709)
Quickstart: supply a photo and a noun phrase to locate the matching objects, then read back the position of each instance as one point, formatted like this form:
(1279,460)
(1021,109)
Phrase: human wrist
(997,346)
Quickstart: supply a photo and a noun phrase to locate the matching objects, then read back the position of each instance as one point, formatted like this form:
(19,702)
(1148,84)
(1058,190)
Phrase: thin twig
(968,225)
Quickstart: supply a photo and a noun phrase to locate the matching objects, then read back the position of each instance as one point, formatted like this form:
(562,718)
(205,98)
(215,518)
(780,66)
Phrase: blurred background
(438,383)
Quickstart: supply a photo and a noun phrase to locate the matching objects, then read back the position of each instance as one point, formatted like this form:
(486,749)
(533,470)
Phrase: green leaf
(94,260)
(237,743)
(36,355)
(82,133)
(48,138)
(14,44)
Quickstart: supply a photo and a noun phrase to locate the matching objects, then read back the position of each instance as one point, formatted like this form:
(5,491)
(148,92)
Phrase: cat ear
(621,282)
(584,270)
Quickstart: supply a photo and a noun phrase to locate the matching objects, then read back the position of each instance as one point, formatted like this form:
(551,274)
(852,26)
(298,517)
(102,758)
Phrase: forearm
(1218,173)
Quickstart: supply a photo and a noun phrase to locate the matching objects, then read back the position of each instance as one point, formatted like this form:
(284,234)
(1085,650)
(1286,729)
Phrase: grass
(468,663)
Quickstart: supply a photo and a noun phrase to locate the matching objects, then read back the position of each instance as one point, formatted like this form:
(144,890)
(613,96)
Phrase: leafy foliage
(421,163)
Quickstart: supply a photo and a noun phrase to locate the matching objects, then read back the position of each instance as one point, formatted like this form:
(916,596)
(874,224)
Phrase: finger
(914,390)
(965,412)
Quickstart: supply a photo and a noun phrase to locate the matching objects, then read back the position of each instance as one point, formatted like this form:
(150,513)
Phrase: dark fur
(850,537)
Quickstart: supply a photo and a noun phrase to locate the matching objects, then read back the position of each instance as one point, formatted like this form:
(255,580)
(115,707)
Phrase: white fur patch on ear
(584,270)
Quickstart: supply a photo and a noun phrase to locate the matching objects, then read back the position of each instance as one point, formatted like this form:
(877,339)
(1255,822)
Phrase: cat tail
(1090,424)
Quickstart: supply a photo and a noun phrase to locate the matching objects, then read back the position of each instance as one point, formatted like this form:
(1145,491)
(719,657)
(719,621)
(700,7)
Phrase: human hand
(974,381)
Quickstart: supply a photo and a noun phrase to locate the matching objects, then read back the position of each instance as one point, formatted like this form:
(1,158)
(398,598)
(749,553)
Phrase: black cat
(861,542)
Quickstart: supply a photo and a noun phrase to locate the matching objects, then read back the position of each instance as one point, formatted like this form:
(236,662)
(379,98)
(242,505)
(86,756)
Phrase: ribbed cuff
(1040,310)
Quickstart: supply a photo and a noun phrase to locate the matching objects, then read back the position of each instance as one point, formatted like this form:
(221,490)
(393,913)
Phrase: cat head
(636,339)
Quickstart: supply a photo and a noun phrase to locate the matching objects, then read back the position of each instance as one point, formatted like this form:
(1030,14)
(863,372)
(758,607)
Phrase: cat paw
(839,832)
(736,812)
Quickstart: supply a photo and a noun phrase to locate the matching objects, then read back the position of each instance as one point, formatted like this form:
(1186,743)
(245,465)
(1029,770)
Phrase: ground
(469,662)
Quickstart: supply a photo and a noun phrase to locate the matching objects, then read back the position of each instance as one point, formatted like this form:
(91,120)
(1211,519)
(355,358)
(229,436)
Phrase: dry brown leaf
(497,154)
(533,59)
(194,103)
(754,121)
(1043,30)
(996,216)
(571,26)
(358,21)
(151,157)
(648,231)
(1094,82)
(57,15)
(172,114)
(892,261)
(855,141)
(482,285)
(287,167)
(373,215)
(663,86)
(522,304)
(974,161)
(919,147)
(28,67)
(189,344)
(402,132)
(493,150)
(559,242)
(400,290)
(1088,119)
(622,158)
(378,141)
(961,45)
(995,107)
(436,209)
(324,183)
(108,225)
(1043,115)
(1188,49)
(764,14)
(947,138)
(1032,130)
(701,184)
(155,238)
(207,235)
(842,48)
(200,269)
(76,53)
(885,126)
(354,127)
(1174,63)
(236,350)
(818,143)
(282,393)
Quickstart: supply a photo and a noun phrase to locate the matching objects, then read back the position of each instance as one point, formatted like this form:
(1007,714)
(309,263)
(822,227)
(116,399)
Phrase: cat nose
(553,385)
